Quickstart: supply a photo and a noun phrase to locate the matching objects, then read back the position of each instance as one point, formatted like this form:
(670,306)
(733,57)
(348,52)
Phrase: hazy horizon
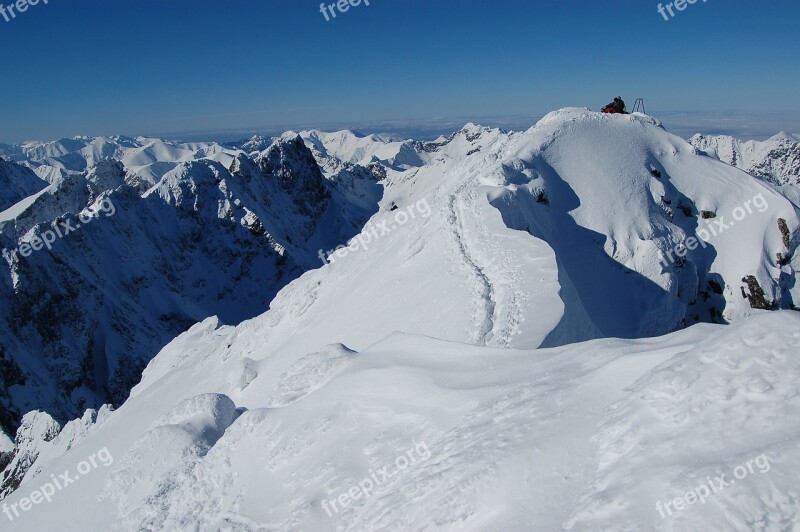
(743,125)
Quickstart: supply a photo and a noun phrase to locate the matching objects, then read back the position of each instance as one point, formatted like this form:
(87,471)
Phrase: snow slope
(16,183)
(221,435)
(623,185)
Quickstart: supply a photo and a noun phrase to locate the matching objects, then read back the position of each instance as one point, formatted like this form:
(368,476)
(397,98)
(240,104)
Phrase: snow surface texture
(547,237)
(586,437)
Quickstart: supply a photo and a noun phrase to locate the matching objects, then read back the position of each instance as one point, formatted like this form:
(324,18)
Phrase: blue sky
(176,66)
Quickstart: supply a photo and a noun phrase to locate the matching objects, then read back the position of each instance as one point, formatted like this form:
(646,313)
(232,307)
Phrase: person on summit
(617,106)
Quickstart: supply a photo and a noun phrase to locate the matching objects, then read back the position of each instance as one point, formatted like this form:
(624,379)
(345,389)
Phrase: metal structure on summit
(639,105)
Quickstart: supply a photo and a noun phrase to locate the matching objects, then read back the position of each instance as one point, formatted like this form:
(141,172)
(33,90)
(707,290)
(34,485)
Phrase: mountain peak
(784,136)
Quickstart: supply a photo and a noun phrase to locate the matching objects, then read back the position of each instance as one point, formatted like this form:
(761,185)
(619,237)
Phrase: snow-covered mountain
(776,159)
(124,272)
(352,148)
(254,144)
(17,183)
(504,345)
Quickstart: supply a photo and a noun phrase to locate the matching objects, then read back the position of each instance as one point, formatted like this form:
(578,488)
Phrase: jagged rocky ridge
(776,159)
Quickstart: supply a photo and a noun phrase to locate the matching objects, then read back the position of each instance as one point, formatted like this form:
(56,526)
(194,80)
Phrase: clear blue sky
(159,66)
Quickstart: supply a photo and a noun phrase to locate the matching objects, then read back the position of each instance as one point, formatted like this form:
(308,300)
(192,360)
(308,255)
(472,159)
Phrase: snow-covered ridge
(582,212)
(776,159)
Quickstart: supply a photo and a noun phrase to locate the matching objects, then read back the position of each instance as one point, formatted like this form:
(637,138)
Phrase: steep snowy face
(107,174)
(309,211)
(69,193)
(626,204)
(776,159)
(296,171)
(36,431)
(16,182)
(98,277)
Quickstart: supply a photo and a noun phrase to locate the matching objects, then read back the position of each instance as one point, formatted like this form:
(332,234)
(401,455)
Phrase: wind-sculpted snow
(207,415)
(310,373)
(729,400)
(621,196)
(149,471)
(588,436)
